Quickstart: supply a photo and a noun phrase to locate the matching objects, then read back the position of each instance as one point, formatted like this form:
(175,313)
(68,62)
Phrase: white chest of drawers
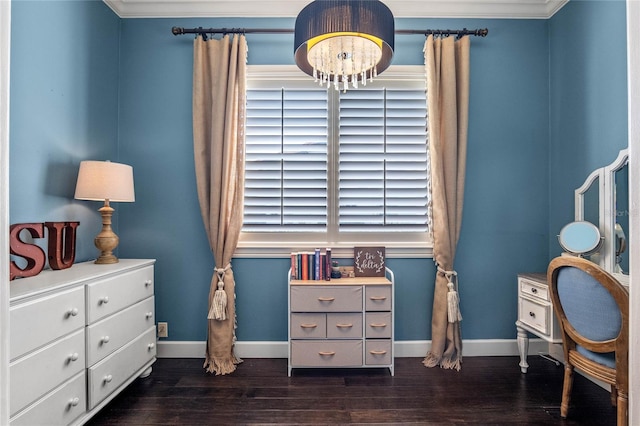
(535,314)
(345,322)
(77,337)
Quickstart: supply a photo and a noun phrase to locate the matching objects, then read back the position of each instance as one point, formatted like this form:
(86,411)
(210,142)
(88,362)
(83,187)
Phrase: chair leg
(623,419)
(566,390)
(614,395)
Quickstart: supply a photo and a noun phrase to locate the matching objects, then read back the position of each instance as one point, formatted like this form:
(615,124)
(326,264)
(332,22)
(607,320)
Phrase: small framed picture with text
(369,261)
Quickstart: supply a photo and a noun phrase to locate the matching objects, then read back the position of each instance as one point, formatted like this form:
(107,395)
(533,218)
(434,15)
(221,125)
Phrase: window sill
(342,250)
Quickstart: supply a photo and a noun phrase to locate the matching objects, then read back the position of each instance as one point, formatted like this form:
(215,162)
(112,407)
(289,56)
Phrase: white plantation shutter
(286,161)
(383,161)
(328,167)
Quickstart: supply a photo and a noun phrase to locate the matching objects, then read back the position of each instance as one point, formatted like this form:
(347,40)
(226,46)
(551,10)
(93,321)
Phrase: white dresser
(535,314)
(346,322)
(78,337)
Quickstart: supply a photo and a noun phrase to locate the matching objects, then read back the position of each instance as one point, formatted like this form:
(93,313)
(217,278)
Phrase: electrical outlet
(163,329)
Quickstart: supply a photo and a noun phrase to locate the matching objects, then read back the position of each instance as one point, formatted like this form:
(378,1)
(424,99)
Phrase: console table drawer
(326,353)
(60,407)
(326,299)
(106,376)
(534,290)
(378,298)
(43,370)
(113,294)
(308,325)
(378,352)
(35,323)
(344,325)
(535,315)
(108,335)
(378,325)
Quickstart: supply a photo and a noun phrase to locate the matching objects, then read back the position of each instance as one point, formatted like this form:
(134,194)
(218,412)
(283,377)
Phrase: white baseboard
(403,349)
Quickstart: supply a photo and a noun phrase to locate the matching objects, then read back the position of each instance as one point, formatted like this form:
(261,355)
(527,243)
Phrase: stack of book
(311,265)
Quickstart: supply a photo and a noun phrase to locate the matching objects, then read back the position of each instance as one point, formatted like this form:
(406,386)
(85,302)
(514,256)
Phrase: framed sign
(369,261)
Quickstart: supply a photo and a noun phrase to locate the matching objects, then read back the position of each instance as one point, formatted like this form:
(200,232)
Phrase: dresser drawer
(308,325)
(36,323)
(344,325)
(377,298)
(326,353)
(534,290)
(326,298)
(115,293)
(42,370)
(60,407)
(535,315)
(378,325)
(106,376)
(106,336)
(378,352)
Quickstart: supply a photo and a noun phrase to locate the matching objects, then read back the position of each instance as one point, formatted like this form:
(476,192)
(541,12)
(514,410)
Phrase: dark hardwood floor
(488,391)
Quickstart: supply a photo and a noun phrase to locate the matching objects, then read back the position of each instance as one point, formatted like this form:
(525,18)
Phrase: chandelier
(344,41)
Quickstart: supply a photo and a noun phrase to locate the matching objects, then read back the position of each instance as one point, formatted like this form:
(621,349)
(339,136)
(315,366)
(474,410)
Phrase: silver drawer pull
(332,353)
(108,378)
(103,300)
(147,283)
(378,298)
(73,357)
(326,299)
(344,325)
(534,290)
(532,314)
(378,352)
(105,339)
(150,346)
(148,315)
(73,402)
(72,312)
(308,325)
(378,325)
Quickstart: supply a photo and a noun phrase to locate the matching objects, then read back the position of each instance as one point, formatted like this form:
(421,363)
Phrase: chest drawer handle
(344,325)
(147,283)
(72,312)
(108,378)
(73,357)
(103,300)
(321,353)
(326,299)
(105,339)
(378,325)
(532,314)
(377,298)
(148,315)
(308,325)
(378,352)
(534,290)
(73,402)
(150,346)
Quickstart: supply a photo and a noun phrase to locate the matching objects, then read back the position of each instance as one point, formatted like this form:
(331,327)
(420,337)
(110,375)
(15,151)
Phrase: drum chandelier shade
(344,41)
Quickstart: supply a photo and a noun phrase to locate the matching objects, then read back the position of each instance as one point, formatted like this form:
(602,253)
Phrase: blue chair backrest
(588,306)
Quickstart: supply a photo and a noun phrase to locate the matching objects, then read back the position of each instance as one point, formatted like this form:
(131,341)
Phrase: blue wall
(142,116)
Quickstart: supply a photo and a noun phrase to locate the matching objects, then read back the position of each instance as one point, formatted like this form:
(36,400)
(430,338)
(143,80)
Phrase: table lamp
(105,181)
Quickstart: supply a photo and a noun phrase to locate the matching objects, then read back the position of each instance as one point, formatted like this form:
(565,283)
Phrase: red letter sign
(62,257)
(32,253)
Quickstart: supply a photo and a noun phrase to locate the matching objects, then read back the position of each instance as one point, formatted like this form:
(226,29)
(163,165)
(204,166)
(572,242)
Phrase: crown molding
(502,9)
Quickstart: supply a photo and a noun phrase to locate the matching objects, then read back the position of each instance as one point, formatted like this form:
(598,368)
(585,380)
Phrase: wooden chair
(593,311)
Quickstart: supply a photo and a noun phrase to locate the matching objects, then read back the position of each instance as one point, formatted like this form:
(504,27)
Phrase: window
(332,169)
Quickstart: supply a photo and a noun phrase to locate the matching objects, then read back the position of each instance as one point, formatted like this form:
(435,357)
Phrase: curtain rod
(179,31)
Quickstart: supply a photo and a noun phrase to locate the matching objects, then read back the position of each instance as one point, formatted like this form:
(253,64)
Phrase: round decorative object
(580,238)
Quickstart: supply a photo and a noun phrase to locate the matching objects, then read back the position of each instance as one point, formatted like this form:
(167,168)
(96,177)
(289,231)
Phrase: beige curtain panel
(219,92)
(447,69)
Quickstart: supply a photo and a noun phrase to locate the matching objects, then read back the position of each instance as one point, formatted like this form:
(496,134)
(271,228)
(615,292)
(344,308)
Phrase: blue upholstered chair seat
(608,359)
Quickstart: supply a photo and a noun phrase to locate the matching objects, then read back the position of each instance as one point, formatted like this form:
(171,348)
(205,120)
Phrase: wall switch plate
(163,329)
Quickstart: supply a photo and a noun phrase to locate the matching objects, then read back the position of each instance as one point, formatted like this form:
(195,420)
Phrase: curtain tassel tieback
(453,301)
(218,309)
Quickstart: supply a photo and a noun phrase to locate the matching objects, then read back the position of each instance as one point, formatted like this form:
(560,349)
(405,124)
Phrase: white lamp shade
(104,180)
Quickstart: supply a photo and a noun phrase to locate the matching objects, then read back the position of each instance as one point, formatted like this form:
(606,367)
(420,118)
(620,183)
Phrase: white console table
(78,337)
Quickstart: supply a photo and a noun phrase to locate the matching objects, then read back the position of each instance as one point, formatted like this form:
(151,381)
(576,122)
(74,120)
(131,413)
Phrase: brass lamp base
(106,241)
